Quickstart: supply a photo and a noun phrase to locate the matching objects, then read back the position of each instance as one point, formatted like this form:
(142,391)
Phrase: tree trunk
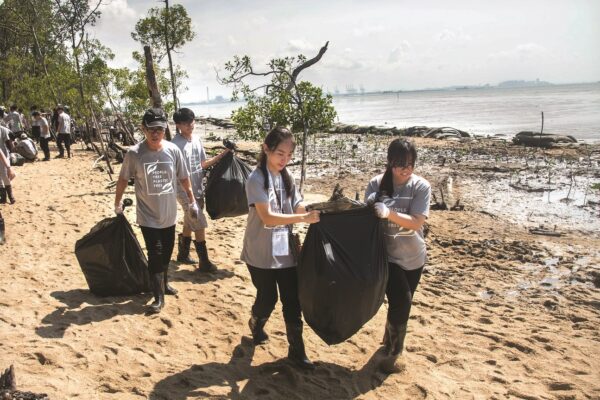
(153,85)
(173,83)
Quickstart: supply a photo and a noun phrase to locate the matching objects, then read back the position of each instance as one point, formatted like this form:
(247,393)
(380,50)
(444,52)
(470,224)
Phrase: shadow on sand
(238,379)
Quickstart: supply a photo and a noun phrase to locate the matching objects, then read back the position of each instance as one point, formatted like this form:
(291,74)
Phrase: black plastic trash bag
(225,194)
(112,260)
(342,273)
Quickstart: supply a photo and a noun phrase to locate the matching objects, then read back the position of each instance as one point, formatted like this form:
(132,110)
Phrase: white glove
(193,210)
(119,208)
(382,210)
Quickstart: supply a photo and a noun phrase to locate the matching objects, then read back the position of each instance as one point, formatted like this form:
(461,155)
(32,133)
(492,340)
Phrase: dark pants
(266,282)
(159,244)
(66,139)
(45,148)
(400,290)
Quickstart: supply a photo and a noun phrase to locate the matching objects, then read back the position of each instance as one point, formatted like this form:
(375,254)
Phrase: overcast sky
(379,44)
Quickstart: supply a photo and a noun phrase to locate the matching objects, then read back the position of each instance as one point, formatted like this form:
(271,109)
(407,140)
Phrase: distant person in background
(25,123)
(6,173)
(402,199)
(63,132)
(196,161)
(42,123)
(157,167)
(4,163)
(26,148)
(13,121)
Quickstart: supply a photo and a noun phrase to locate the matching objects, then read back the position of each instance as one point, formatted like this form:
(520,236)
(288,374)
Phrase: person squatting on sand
(402,198)
(63,132)
(156,166)
(6,172)
(42,122)
(274,203)
(195,159)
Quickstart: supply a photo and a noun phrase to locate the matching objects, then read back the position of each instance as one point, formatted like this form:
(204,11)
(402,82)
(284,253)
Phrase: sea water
(568,109)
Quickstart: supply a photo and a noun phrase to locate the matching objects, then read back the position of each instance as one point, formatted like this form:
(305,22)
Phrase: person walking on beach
(4,166)
(274,203)
(42,122)
(6,173)
(196,162)
(402,200)
(157,166)
(63,132)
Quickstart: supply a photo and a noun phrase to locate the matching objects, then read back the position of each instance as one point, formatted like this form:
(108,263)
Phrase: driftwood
(536,139)
(545,232)
(8,388)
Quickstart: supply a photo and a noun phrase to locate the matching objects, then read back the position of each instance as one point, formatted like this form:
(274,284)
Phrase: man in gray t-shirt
(157,167)
(195,158)
(5,171)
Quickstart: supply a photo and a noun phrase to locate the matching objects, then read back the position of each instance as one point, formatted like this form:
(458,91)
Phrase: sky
(377,44)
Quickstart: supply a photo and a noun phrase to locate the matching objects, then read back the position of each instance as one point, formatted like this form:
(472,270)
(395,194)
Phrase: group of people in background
(169,172)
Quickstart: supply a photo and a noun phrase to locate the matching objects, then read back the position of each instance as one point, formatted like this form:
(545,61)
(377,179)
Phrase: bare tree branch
(305,65)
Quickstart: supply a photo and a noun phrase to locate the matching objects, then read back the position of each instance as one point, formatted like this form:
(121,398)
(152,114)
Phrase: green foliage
(596,186)
(150,31)
(297,105)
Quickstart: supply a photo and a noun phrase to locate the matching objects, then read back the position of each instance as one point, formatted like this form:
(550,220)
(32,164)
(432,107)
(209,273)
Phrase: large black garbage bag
(225,188)
(112,260)
(342,273)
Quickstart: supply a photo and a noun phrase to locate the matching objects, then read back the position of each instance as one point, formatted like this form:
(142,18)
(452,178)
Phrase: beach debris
(541,230)
(337,202)
(536,139)
(8,388)
(446,133)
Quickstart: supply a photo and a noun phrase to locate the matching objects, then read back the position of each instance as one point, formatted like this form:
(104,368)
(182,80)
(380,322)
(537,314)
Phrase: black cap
(155,117)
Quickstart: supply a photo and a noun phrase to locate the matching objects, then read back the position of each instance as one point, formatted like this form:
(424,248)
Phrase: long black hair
(401,152)
(272,140)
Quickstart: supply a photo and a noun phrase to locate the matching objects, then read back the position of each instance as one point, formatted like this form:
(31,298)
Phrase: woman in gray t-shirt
(402,199)
(274,204)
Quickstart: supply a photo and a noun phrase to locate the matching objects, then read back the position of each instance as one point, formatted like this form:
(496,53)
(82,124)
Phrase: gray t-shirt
(156,175)
(405,247)
(4,137)
(43,124)
(193,156)
(258,240)
(14,121)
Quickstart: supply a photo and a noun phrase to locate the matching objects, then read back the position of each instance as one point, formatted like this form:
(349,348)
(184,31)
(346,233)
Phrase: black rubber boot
(204,264)
(296,351)
(397,334)
(2,237)
(159,294)
(9,194)
(386,340)
(170,290)
(2,195)
(183,247)
(257,327)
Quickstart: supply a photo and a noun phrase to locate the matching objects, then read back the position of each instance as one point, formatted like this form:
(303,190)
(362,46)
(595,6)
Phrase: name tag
(280,242)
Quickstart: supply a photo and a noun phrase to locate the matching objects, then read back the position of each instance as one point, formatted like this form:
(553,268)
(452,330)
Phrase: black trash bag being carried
(112,260)
(225,194)
(343,272)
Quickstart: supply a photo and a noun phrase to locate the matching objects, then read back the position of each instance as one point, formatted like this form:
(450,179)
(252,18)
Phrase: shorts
(194,224)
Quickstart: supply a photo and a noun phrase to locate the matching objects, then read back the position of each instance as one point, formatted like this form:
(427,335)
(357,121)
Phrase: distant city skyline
(379,45)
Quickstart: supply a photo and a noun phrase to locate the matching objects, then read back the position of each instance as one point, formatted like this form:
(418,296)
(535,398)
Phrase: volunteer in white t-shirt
(63,132)
(42,122)
(402,200)
(156,166)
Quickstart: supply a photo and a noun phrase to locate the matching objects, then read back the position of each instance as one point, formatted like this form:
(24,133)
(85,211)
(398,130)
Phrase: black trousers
(66,139)
(400,291)
(159,244)
(266,282)
(45,148)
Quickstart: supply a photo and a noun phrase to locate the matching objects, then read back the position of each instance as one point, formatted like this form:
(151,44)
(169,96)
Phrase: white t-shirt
(43,124)
(64,123)
(14,121)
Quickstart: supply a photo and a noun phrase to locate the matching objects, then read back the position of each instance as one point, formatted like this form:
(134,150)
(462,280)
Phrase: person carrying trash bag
(274,204)
(402,200)
(196,162)
(156,166)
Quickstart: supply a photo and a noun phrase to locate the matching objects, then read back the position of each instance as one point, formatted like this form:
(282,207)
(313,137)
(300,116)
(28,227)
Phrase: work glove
(119,208)
(381,210)
(193,210)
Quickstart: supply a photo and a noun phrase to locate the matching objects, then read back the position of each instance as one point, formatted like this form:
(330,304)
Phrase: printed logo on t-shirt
(159,177)
(394,230)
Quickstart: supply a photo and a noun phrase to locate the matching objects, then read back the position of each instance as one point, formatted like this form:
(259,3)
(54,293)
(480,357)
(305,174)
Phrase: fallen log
(535,139)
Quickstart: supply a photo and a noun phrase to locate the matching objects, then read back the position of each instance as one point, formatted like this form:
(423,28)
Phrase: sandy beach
(500,313)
